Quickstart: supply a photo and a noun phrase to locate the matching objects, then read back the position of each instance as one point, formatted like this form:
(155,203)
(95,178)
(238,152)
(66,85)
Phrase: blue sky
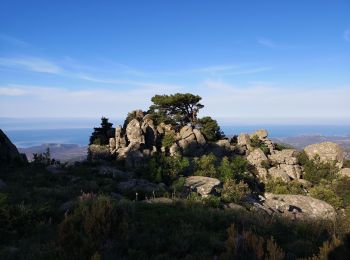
(251,61)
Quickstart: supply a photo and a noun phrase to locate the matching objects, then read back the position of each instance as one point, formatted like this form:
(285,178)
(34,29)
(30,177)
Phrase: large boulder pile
(327,151)
(141,138)
(8,151)
(270,162)
(286,165)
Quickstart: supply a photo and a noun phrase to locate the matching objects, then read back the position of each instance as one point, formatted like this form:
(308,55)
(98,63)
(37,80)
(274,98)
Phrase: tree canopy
(177,109)
(102,134)
(210,129)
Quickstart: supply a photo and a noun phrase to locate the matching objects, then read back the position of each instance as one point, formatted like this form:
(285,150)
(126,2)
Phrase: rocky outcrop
(262,135)
(202,185)
(296,207)
(327,151)
(243,139)
(134,132)
(286,165)
(141,138)
(8,151)
(345,172)
(256,157)
(285,172)
(286,156)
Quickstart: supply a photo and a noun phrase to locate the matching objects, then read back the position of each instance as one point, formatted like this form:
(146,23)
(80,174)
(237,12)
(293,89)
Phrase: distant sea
(31,137)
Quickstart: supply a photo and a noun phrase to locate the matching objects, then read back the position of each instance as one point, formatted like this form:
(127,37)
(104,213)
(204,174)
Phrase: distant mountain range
(299,142)
(61,152)
(75,152)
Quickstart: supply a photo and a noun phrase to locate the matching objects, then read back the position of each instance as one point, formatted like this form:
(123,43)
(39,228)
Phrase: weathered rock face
(345,172)
(287,156)
(199,137)
(134,132)
(243,139)
(285,172)
(149,131)
(8,151)
(256,157)
(297,207)
(202,185)
(186,132)
(261,134)
(327,151)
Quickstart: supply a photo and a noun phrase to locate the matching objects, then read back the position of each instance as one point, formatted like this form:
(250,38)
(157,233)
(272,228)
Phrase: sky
(257,61)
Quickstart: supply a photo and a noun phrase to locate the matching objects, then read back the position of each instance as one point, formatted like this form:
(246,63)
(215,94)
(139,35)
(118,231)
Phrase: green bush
(346,164)
(234,192)
(324,192)
(278,186)
(168,139)
(341,188)
(206,165)
(257,143)
(210,129)
(315,170)
(281,146)
(166,169)
(234,169)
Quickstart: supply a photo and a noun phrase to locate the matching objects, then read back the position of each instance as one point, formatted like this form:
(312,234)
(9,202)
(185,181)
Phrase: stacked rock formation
(271,163)
(142,138)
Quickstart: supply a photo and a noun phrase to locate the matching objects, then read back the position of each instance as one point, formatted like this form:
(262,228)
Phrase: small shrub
(266,164)
(341,187)
(281,146)
(325,193)
(206,166)
(234,192)
(168,139)
(303,159)
(278,186)
(257,143)
(346,164)
(315,170)
(166,168)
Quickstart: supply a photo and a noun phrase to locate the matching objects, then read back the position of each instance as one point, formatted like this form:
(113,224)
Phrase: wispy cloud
(277,103)
(267,43)
(249,71)
(46,101)
(347,34)
(276,45)
(130,82)
(32,64)
(10,91)
(13,41)
(217,68)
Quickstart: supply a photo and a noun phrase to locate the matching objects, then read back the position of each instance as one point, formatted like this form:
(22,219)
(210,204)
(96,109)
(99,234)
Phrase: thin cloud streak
(32,64)
(13,41)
